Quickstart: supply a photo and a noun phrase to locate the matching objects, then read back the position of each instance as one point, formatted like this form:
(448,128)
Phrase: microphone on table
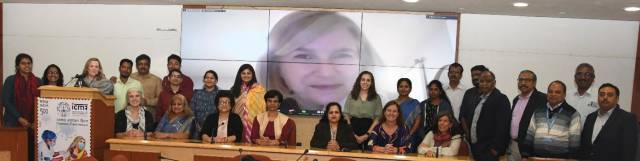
(144,133)
(240,150)
(345,150)
(285,142)
(211,141)
(304,153)
(438,147)
(76,77)
(165,158)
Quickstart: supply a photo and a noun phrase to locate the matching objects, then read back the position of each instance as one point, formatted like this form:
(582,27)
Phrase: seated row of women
(272,128)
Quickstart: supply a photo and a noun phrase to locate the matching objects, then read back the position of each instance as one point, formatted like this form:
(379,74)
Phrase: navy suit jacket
(493,124)
(617,140)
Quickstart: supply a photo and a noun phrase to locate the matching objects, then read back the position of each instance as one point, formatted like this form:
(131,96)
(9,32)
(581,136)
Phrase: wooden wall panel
(635,99)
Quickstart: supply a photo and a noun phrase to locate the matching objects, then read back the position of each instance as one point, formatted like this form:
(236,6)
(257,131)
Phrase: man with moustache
(610,133)
(486,120)
(123,84)
(471,94)
(151,84)
(174,62)
(584,98)
(455,90)
(523,106)
(554,131)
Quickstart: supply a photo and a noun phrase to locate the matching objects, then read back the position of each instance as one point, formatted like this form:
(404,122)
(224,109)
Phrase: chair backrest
(341,159)
(249,157)
(464,149)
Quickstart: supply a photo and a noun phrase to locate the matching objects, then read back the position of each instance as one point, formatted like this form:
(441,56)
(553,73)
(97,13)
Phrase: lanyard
(551,121)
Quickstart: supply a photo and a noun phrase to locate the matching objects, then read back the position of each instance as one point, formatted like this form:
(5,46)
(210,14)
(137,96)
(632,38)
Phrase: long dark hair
(45,80)
(325,116)
(399,120)
(237,84)
(438,84)
(371,94)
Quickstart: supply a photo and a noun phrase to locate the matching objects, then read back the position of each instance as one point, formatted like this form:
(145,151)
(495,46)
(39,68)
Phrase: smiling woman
(313,58)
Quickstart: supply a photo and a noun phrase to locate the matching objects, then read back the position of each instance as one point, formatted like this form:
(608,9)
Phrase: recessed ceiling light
(411,1)
(520,4)
(632,9)
(562,13)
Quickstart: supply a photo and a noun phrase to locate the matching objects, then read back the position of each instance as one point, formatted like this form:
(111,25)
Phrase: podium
(101,115)
(13,144)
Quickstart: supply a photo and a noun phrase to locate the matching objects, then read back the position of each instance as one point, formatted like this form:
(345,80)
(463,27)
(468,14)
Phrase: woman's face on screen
(321,71)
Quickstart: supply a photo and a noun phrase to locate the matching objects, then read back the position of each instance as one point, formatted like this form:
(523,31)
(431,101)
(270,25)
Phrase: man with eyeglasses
(523,107)
(610,133)
(584,98)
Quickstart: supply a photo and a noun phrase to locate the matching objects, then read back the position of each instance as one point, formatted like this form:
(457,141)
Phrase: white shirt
(455,96)
(585,104)
(222,127)
(600,121)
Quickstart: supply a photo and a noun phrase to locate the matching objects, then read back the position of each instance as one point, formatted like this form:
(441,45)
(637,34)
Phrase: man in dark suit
(522,109)
(610,133)
(485,120)
(472,93)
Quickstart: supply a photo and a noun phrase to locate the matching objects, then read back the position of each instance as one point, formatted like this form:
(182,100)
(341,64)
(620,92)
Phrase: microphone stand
(304,153)
(165,158)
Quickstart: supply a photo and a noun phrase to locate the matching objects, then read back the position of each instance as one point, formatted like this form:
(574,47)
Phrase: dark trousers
(360,127)
(482,153)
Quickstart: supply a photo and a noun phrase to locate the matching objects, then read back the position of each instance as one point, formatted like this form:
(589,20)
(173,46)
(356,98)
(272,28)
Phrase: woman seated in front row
(223,126)
(176,121)
(332,132)
(273,128)
(134,120)
(441,141)
(391,135)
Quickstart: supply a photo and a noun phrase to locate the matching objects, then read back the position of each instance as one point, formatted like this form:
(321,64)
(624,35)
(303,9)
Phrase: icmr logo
(79,109)
(63,109)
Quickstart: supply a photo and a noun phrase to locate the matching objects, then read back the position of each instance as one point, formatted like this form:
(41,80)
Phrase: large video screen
(314,57)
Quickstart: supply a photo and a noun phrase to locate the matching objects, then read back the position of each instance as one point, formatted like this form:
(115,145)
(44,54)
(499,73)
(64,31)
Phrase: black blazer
(616,141)
(234,128)
(121,122)
(536,100)
(344,136)
(493,124)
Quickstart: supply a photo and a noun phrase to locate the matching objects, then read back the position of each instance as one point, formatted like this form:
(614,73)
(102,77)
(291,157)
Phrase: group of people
(582,124)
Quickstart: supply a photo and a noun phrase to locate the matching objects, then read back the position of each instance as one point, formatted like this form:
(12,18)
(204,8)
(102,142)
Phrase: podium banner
(64,129)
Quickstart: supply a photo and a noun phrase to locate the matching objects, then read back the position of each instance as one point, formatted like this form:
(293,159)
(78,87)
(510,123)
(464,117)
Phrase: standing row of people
(538,124)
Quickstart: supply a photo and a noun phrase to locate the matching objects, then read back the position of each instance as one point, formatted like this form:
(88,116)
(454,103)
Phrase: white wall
(69,34)
(552,48)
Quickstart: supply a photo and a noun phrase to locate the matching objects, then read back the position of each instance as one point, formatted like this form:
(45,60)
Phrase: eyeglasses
(224,102)
(525,80)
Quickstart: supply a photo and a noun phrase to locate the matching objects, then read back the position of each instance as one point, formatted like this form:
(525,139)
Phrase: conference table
(187,150)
